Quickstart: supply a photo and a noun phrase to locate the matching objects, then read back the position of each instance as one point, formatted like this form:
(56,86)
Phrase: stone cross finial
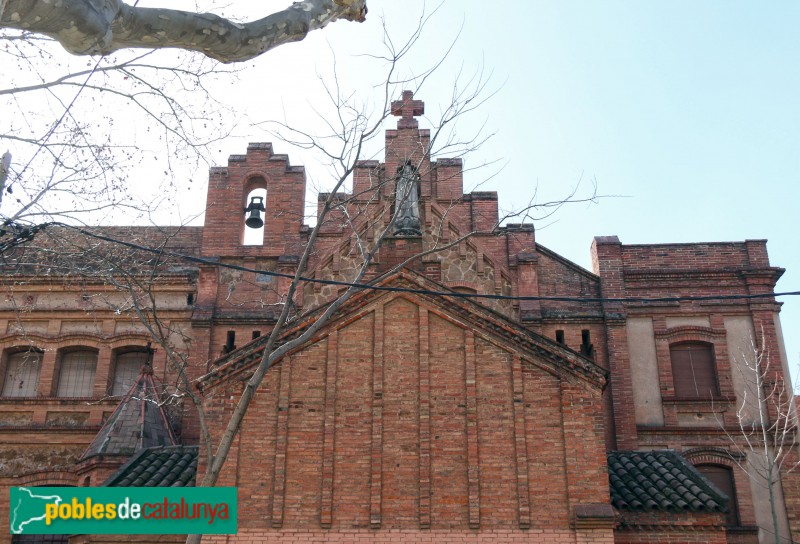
(407,108)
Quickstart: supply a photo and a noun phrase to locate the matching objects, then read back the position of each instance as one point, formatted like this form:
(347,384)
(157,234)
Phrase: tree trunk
(772,504)
(100,27)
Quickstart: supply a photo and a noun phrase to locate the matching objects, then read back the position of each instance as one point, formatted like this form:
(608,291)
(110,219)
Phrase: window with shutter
(76,373)
(722,478)
(22,374)
(126,370)
(693,372)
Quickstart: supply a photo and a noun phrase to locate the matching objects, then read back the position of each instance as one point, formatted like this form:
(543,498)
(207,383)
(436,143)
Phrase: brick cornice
(680,275)
(721,401)
(57,401)
(89,338)
(533,347)
(771,274)
(594,516)
(44,478)
(44,283)
(668,526)
(680,431)
(90,430)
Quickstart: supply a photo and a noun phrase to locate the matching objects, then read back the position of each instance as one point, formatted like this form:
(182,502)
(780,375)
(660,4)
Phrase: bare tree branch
(100,27)
(769,443)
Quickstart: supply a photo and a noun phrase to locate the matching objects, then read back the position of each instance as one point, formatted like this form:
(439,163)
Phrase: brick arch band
(713,456)
(54,478)
(253,180)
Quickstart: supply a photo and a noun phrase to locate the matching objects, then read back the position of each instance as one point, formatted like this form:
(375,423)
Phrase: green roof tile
(161,466)
(660,480)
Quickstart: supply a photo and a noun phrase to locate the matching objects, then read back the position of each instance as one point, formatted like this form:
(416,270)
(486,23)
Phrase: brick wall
(701,269)
(404,420)
(499,536)
(688,528)
(228,189)
(408,423)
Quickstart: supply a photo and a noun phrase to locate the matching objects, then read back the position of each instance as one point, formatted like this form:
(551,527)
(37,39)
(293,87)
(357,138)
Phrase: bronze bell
(255,209)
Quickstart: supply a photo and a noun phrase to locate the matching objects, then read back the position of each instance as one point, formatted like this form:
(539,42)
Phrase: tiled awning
(660,480)
(170,466)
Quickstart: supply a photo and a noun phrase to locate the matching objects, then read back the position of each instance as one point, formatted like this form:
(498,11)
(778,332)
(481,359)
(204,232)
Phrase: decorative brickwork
(408,417)
(449,430)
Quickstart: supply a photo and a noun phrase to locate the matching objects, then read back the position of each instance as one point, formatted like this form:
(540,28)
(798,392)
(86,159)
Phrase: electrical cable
(368,286)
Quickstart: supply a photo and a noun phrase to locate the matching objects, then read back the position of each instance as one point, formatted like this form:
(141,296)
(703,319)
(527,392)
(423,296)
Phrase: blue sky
(687,111)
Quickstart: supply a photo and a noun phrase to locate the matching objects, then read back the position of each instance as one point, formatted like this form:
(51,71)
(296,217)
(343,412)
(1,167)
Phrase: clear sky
(687,111)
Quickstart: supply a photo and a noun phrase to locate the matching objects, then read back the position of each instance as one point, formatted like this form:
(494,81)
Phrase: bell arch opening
(254,217)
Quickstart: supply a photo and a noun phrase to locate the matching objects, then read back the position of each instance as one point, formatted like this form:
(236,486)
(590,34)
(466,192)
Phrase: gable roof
(424,291)
(660,480)
(138,422)
(162,466)
(578,269)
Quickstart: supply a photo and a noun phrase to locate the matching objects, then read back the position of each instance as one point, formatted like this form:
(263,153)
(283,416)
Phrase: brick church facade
(485,389)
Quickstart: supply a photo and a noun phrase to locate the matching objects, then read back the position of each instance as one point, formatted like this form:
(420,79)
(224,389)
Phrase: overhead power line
(369,286)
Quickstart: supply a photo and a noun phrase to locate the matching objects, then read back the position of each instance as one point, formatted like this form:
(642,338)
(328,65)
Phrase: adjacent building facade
(484,389)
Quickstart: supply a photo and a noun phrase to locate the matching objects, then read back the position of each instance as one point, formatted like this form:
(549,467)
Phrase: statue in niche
(407,202)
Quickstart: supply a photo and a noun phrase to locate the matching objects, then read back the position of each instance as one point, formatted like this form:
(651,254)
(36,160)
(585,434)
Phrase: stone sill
(41,427)
(721,400)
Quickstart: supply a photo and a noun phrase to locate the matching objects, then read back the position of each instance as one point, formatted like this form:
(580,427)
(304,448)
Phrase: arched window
(722,477)
(127,366)
(254,236)
(76,373)
(694,374)
(21,375)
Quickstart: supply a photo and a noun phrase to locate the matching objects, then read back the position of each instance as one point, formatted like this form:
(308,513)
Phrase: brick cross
(407,108)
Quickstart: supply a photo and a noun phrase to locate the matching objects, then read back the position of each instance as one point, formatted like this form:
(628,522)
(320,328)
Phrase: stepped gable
(329,258)
(139,422)
(229,192)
